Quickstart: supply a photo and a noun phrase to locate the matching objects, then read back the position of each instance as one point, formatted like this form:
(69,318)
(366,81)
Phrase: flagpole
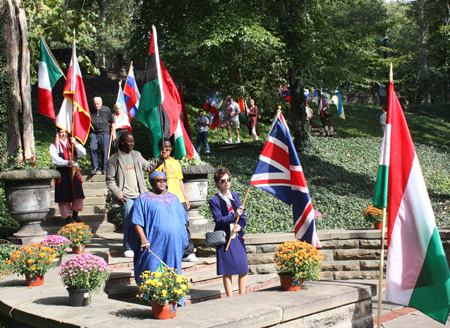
(72,88)
(237,220)
(383,230)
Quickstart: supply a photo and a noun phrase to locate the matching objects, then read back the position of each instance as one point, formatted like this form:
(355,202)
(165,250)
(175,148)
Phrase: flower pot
(288,283)
(36,280)
(378,225)
(78,250)
(164,311)
(79,297)
(58,261)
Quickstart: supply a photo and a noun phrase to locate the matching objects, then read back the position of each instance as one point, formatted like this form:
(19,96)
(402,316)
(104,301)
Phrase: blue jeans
(125,209)
(96,141)
(202,138)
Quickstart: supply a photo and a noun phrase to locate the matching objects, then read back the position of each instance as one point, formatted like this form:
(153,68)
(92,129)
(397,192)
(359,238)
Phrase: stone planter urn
(28,196)
(196,186)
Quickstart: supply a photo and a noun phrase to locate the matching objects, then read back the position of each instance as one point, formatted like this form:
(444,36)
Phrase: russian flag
(131,93)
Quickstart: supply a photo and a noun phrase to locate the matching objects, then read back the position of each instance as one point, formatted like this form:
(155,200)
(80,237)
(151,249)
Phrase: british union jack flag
(280,173)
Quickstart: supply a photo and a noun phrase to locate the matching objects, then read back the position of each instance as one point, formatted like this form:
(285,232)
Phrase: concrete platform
(342,303)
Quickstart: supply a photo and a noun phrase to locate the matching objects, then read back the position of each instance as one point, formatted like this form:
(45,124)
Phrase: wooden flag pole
(380,273)
(383,231)
(237,219)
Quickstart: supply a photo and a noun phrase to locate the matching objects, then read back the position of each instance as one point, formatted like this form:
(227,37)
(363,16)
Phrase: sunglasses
(225,180)
(160,180)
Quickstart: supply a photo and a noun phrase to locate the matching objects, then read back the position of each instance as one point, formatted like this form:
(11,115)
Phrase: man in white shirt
(233,111)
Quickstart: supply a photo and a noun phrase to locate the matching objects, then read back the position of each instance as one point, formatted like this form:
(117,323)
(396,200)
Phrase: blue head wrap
(156,173)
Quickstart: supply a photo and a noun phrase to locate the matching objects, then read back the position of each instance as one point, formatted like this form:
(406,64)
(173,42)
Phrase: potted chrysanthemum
(374,215)
(296,262)
(81,274)
(33,261)
(163,289)
(60,244)
(78,233)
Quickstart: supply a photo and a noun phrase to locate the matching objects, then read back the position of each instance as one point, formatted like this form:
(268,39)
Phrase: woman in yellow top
(175,185)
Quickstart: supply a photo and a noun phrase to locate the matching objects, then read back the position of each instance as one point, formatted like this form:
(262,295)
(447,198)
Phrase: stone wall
(347,254)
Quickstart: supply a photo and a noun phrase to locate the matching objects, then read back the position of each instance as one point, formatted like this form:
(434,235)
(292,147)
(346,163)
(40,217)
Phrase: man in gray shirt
(202,127)
(125,178)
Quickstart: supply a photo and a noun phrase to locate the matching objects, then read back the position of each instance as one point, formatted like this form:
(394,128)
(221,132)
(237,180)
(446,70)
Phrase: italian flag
(417,273)
(49,74)
(160,105)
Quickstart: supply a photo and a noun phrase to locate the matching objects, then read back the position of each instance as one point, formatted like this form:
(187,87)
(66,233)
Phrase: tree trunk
(20,136)
(423,52)
(293,38)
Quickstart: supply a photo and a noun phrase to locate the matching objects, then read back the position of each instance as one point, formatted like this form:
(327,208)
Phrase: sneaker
(129,253)
(229,141)
(238,141)
(95,170)
(103,171)
(191,258)
(207,152)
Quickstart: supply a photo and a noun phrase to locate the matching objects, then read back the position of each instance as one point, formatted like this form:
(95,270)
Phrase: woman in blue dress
(157,223)
(226,206)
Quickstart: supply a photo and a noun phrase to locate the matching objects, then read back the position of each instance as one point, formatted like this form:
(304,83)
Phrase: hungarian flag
(74,110)
(417,273)
(185,115)
(160,106)
(131,93)
(183,145)
(49,74)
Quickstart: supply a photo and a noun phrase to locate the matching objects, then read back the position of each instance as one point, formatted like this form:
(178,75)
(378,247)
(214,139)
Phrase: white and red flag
(74,115)
(49,74)
(417,273)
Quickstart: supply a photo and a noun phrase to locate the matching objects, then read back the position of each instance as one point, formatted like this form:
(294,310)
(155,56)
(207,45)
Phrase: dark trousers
(99,141)
(190,246)
(202,138)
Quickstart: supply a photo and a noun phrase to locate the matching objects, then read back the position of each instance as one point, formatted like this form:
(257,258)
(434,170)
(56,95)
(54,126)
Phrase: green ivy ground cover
(340,172)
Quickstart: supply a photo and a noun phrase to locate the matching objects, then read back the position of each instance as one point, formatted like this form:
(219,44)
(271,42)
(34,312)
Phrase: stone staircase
(206,284)
(94,213)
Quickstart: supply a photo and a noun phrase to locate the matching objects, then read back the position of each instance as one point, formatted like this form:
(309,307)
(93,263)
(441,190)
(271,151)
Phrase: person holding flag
(225,207)
(68,189)
(125,178)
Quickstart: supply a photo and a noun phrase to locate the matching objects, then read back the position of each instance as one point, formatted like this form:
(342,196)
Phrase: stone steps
(94,212)
(202,275)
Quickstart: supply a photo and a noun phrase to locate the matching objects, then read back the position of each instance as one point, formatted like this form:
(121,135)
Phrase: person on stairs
(125,178)
(68,189)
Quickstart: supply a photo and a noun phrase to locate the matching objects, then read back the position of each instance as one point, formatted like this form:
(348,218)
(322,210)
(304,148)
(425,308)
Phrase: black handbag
(215,238)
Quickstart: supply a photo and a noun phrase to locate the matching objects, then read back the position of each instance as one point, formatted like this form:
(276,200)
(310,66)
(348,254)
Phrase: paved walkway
(397,316)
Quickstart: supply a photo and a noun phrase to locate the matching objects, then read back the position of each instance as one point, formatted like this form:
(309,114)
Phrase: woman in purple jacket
(226,207)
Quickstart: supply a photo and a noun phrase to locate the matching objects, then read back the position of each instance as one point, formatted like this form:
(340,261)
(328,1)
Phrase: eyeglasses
(160,180)
(225,180)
